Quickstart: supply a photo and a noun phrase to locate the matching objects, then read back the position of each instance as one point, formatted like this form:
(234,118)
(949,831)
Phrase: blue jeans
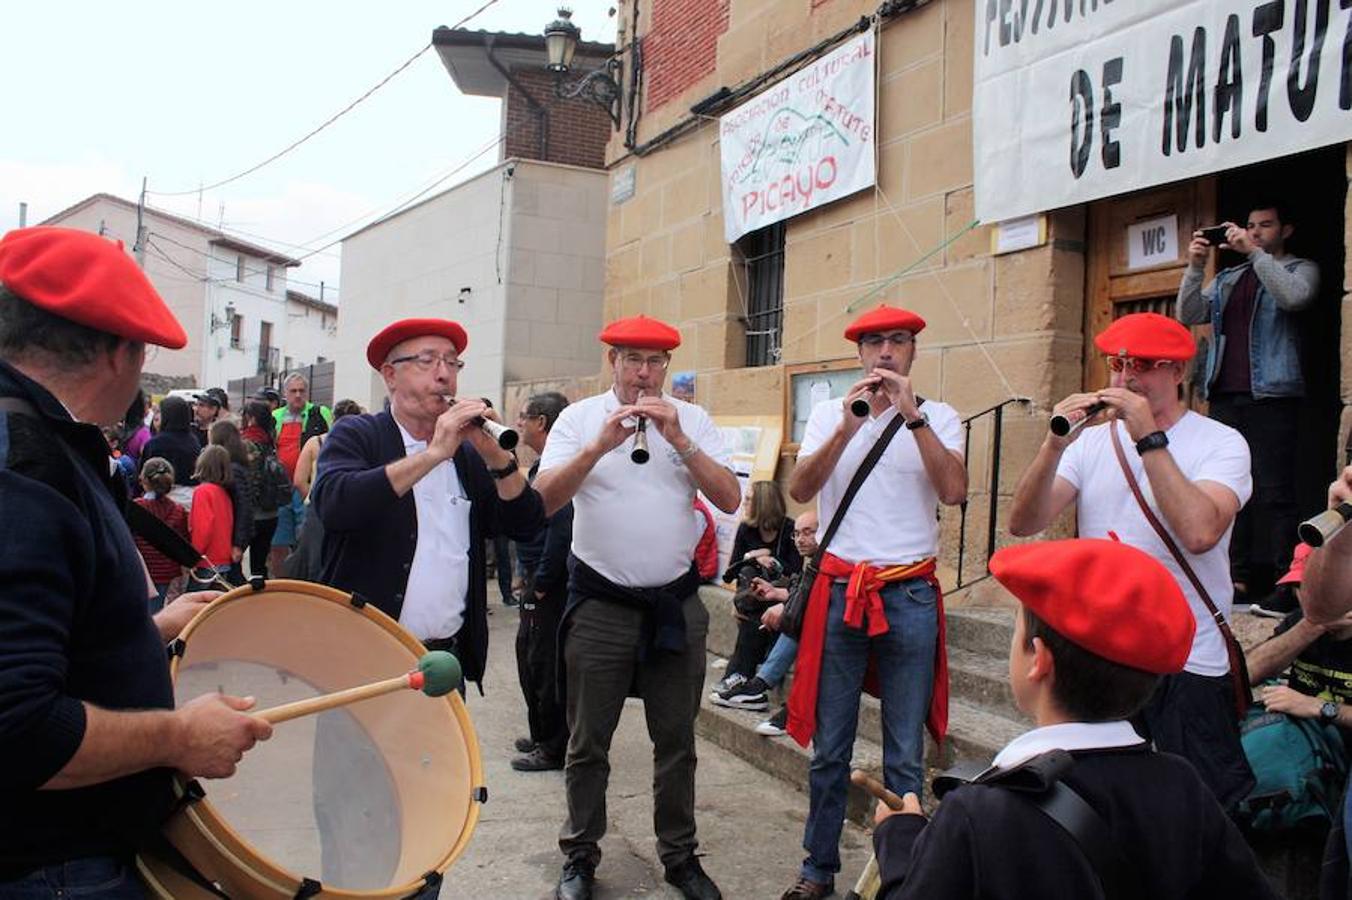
(776,665)
(102,877)
(905,658)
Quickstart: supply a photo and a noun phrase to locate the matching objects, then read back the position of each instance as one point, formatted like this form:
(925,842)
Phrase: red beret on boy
(1113,600)
(88,280)
(1147,336)
(641,333)
(406,329)
(884,318)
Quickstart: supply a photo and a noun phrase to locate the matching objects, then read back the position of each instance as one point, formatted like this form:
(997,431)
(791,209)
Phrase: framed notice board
(806,385)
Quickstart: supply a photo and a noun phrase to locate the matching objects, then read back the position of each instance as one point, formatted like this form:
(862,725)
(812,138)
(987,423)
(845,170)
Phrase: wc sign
(1153,242)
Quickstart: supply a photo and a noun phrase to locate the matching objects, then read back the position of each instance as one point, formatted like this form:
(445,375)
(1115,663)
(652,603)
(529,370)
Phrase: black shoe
(1277,605)
(776,725)
(524,745)
(690,880)
(747,695)
(510,601)
(537,760)
(576,881)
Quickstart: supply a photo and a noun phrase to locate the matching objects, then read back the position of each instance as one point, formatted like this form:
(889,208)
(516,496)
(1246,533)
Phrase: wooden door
(1116,288)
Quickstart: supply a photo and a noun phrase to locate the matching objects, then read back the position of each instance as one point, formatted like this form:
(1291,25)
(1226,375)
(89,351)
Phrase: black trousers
(260,544)
(753,645)
(536,666)
(1265,530)
(1193,716)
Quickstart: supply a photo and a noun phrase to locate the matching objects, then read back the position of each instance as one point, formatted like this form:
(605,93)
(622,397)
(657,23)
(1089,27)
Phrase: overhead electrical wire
(323,125)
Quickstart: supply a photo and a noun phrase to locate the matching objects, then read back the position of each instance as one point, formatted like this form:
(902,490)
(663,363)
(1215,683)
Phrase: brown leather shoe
(808,890)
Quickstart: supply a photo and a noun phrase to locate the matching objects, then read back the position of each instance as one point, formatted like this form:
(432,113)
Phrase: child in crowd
(157,480)
(212,517)
(1100,623)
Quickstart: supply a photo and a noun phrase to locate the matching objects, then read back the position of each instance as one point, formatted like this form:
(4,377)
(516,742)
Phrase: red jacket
(706,551)
(212,522)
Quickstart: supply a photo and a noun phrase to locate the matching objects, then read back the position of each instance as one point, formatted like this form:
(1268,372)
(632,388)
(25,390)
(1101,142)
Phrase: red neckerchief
(863,604)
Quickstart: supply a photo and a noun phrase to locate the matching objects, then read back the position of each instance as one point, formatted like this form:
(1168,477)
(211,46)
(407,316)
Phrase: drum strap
(166,852)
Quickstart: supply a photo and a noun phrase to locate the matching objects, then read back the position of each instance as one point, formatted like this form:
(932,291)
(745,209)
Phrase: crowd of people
(1122,653)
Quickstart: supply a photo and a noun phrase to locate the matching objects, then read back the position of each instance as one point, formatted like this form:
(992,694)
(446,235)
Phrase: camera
(1214,234)
(768,568)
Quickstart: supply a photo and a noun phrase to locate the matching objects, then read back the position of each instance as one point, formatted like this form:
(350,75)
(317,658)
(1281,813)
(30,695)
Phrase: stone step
(980,629)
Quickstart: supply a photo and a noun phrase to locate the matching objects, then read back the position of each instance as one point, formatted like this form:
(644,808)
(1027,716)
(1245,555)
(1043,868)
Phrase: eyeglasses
(900,339)
(427,361)
(634,362)
(804,532)
(1136,365)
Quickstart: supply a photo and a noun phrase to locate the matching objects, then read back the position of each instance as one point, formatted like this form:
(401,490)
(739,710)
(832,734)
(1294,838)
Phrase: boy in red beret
(1100,623)
(1192,474)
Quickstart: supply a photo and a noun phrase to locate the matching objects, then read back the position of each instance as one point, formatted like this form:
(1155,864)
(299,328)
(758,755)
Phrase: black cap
(220,396)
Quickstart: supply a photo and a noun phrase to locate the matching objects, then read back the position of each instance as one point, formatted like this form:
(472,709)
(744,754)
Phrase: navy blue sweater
(370,533)
(545,559)
(74,626)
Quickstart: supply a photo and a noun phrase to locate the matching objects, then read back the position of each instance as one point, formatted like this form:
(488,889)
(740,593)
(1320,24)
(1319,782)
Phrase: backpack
(1299,765)
(271,484)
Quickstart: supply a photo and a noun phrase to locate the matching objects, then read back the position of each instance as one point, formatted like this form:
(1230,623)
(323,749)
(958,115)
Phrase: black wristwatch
(506,471)
(1156,440)
(917,424)
(1328,712)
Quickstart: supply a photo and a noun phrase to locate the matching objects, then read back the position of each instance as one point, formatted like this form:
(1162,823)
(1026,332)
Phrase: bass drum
(375,799)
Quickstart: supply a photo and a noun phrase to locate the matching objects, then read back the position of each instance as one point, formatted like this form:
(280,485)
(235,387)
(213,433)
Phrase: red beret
(1148,336)
(405,329)
(884,318)
(1113,600)
(641,333)
(89,280)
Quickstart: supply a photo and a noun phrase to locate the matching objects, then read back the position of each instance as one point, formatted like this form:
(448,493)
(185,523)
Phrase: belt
(450,644)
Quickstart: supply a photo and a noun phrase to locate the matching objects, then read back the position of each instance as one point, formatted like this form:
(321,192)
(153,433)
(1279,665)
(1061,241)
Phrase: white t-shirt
(632,523)
(894,519)
(438,580)
(1205,450)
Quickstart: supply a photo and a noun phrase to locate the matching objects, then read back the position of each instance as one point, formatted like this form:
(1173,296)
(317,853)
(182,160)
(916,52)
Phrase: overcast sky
(99,94)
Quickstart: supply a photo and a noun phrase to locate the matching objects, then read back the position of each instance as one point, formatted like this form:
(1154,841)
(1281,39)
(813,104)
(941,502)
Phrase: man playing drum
(876,594)
(1196,473)
(88,733)
(633,616)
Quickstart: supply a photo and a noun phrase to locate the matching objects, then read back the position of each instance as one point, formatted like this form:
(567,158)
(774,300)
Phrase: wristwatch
(506,471)
(917,424)
(1328,712)
(1156,440)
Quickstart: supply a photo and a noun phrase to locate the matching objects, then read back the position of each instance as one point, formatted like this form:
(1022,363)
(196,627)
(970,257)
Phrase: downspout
(534,104)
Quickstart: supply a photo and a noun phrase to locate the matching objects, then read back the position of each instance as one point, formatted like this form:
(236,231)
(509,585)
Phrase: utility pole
(140,247)
(321,291)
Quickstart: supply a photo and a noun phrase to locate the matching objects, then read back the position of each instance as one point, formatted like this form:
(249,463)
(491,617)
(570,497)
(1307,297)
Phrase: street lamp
(598,85)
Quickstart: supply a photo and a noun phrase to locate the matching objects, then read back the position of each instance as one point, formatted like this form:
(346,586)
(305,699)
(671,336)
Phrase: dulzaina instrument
(1317,530)
(860,405)
(640,453)
(375,799)
(1061,425)
(506,437)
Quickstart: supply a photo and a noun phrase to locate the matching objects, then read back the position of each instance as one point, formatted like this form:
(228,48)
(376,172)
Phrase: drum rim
(209,822)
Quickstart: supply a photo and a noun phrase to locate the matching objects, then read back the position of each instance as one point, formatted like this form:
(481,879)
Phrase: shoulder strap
(874,454)
(18,405)
(1164,534)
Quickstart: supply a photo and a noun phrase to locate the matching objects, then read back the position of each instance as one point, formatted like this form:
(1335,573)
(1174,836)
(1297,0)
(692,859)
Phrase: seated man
(1318,657)
(1101,622)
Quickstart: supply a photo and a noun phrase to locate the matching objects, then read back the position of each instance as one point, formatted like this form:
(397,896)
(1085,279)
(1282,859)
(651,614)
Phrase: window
(236,331)
(267,354)
(272,271)
(760,285)
(239,268)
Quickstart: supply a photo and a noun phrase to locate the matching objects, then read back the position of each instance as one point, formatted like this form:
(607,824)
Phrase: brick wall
(681,46)
(576,130)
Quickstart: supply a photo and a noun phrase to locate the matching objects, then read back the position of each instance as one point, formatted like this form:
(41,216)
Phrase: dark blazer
(987,841)
(370,533)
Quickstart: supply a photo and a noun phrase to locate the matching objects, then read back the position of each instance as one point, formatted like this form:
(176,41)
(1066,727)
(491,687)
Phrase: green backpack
(1300,766)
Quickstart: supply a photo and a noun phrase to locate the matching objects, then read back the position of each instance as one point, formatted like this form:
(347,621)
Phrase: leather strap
(875,453)
(1066,808)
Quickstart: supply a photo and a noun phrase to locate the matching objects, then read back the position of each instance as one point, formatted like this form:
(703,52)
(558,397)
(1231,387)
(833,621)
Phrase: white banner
(1080,99)
(804,142)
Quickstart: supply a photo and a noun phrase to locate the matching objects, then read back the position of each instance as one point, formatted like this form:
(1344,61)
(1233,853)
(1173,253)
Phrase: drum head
(367,797)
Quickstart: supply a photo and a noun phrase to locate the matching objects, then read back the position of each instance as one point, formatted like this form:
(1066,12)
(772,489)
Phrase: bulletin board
(806,385)
(754,442)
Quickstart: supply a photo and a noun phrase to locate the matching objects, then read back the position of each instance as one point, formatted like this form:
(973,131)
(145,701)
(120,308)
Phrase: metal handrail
(993,483)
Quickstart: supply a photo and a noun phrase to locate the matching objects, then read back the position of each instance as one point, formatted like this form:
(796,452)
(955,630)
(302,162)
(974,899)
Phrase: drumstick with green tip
(438,673)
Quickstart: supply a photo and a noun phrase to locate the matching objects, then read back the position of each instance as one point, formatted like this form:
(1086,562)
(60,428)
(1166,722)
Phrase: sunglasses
(1136,365)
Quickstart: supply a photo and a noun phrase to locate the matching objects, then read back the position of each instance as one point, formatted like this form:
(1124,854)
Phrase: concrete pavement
(750,823)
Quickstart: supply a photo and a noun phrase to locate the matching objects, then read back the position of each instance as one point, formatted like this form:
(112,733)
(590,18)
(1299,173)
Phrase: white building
(230,294)
(516,254)
(311,331)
